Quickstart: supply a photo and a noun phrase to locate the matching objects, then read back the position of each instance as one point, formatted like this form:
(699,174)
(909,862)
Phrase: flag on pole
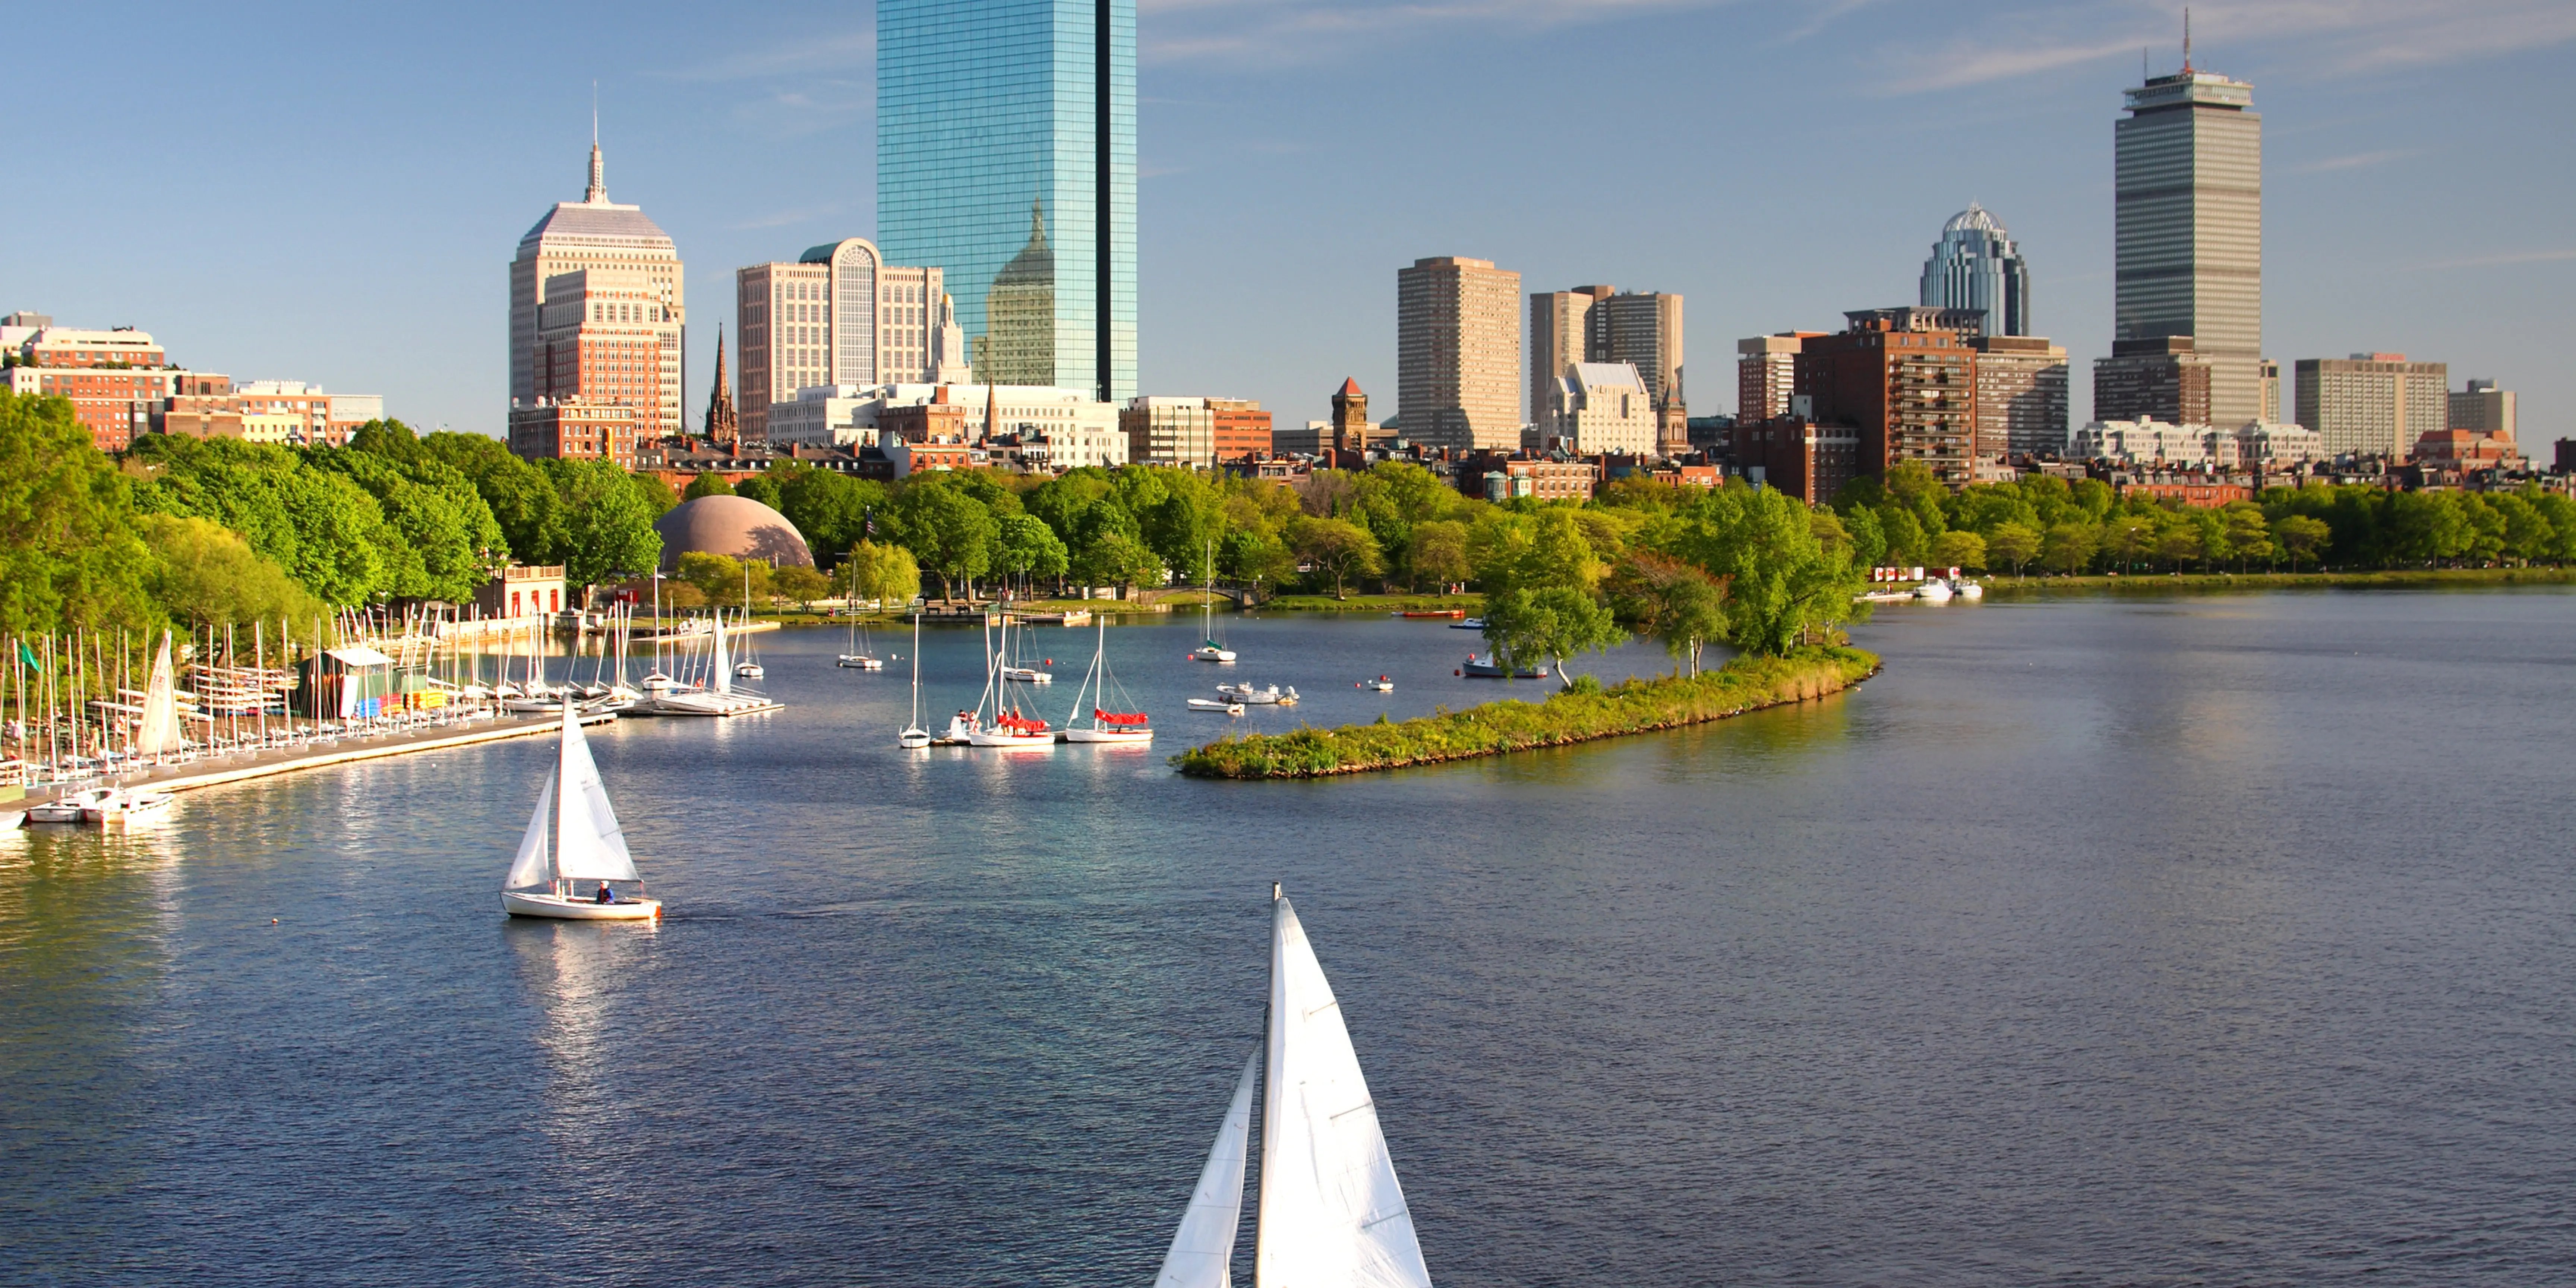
(27,656)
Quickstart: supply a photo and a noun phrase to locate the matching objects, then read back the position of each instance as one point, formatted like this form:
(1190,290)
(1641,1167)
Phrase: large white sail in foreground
(588,844)
(1203,1248)
(1331,1214)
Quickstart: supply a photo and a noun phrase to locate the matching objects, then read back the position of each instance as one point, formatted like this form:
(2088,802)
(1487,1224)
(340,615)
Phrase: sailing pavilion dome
(735,526)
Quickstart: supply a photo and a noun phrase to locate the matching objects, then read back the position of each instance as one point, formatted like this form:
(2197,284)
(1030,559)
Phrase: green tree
(831,510)
(1252,556)
(800,584)
(608,527)
(707,483)
(2068,547)
(1335,548)
(1549,547)
(2248,536)
(1028,548)
(1669,600)
(2013,544)
(950,532)
(718,577)
(761,488)
(2179,542)
(884,573)
(2300,537)
(204,574)
(445,538)
(1437,552)
(1113,558)
(68,552)
(1960,549)
(1781,579)
(1548,622)
(519,495)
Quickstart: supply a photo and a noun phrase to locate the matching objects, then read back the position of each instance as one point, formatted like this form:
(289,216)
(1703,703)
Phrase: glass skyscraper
(1976,266)
(1006,155)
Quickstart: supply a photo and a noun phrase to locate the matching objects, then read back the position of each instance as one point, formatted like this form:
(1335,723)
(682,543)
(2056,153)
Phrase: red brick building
(575,429)
(1798,456)
(1906,379)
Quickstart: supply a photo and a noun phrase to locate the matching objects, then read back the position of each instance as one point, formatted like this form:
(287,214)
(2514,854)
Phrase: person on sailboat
(606,895)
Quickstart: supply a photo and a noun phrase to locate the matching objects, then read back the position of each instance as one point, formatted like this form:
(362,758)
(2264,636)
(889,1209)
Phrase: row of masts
(73,705)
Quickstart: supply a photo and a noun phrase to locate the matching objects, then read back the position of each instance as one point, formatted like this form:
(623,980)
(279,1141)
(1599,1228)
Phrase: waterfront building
(2188,249)
(1977,266)
(1906,379)
(1458,354)
(1598,407)
(576,429)
(1796,455)
(839,315)
(2482,408)
(598,309)
(2021,396)
(1766,374)
(2373,404)
(1081,430)
(523,590)
(1006,154)
(68,348)
(2130,443)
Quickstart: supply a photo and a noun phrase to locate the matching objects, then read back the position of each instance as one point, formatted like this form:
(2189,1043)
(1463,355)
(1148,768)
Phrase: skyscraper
(1006,156)
(598,310)
(1458,353)
(1560,335)
(2189,249)
(1975,265)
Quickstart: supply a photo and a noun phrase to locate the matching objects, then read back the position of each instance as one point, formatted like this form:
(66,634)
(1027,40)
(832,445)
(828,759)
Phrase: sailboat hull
(525,904)
(1109,735)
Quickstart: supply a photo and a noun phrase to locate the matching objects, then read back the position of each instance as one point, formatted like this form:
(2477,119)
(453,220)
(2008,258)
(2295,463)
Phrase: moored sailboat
(1330,1210)
(573,842)
(914,737)
(1106,725)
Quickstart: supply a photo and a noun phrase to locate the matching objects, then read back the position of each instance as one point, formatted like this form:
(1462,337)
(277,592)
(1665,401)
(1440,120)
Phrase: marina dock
(233,767)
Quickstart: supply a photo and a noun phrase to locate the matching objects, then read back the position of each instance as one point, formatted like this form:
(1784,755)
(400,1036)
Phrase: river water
(2184,941)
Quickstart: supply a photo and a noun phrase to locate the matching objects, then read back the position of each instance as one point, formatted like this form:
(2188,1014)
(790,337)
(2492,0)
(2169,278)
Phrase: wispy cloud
(2356,161)
(2499,261)
(1969,63)
(844,52)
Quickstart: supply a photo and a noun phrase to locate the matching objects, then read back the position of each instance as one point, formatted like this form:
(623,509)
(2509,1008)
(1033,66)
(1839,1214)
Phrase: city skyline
(1272,215)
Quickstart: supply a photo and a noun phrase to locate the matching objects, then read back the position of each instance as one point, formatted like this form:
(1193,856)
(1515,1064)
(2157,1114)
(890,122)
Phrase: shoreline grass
(2005,585)
(1496,728)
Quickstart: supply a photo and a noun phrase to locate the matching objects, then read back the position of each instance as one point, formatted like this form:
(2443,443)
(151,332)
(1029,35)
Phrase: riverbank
(1570,716)
(216,769)
(2006,586)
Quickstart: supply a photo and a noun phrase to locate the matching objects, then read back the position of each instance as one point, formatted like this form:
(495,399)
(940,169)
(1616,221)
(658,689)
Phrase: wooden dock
(234,767)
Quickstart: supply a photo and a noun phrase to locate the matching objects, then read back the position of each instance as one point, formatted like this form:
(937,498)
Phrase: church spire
(722,423)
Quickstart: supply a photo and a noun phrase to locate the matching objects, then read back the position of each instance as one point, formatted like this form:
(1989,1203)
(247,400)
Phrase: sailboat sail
(723,667)
(1203,1248)
(160,732)
(1331,1212)
(530,871)
(588,844)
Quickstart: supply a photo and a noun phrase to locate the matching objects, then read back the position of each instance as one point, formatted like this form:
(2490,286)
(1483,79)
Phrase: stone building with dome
(734,526)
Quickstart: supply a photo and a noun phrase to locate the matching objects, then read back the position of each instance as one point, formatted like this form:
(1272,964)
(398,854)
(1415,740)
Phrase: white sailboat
(1330,1211)
(1017,670)
(1106,725)
(749,668)
(1007,727)
(573,860)
(914,737)
(861,657)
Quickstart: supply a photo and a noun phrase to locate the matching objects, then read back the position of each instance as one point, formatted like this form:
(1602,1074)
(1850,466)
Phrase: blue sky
(332,192)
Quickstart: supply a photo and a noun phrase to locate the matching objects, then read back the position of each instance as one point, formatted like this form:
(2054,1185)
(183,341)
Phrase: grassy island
(1747,683)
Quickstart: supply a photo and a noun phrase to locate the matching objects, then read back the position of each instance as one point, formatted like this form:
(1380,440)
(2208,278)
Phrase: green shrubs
(1574,715)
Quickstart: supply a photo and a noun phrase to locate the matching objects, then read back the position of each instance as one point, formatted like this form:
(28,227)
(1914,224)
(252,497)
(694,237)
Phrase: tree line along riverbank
(2032,587)
(1579,714)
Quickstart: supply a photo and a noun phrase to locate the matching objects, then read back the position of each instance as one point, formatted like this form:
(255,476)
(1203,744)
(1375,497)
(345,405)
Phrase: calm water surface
(2196,941)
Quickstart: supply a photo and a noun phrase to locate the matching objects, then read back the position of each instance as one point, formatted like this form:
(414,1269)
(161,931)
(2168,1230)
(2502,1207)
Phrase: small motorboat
(1471,624)
(1935,591)
(1381,684)
(749,671)
(1212,705)
(68,809)
(1027,675)
(1269,696)
(1971,590)
(1487,669)
(128,808)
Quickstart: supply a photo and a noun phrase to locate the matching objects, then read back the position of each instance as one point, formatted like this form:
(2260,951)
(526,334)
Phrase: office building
(1796,455)
(1597,407)
(2021,396)
(2188,248)
(1905,379)
(1241,427)
(113,403)
(2483,409)
(1976,266)
(1169,431)
(1766,374)
(1006,155)
(576,429)
(1560,335)
(1082,429)
(2373,404)
(839,315)
(598,309)
(1458,354)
